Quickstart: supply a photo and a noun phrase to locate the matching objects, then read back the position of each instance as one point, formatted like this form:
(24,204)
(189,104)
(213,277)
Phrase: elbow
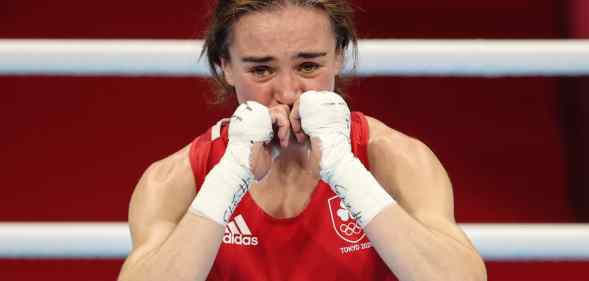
(472,266)
(467,269)
(481,273)
(125,274)
(476,271)
(131,270)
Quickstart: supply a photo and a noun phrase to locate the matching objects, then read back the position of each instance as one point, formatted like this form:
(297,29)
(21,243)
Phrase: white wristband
(356,186)
(230,179)
(326,116)
(222,190)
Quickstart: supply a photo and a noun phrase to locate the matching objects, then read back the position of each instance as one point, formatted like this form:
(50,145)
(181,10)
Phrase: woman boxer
(293,186)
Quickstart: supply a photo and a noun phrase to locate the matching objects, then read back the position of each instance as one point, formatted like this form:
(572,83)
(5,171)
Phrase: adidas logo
(238,233)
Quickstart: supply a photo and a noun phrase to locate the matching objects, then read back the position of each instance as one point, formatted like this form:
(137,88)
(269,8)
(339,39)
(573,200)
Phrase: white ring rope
(111,240)
(377,57)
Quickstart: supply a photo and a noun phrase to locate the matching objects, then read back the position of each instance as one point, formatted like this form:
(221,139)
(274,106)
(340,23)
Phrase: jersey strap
(359,137)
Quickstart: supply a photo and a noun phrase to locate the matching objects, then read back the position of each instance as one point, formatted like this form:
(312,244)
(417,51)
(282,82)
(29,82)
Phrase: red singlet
(321,243)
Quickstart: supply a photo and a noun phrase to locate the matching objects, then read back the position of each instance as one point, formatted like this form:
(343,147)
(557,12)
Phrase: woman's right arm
(172,242)
(169,242)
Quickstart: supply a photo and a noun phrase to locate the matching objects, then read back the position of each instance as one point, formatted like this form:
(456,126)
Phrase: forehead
(283,30)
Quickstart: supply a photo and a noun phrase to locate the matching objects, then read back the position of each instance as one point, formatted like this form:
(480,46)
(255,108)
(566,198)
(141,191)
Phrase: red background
(73,148)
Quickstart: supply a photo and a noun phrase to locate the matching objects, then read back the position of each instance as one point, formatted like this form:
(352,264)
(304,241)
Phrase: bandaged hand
(325,116)
(230,179)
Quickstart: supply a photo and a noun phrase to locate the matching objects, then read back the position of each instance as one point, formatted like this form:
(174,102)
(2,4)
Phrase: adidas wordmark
(238,233)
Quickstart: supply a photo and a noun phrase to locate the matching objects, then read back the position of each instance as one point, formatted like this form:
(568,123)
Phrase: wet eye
(261,71)
(308,67)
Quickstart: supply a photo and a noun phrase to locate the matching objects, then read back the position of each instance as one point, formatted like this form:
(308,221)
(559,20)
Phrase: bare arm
(417,238)
(169,243)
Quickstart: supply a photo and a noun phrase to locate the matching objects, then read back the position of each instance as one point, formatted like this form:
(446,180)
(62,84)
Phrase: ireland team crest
(343,222)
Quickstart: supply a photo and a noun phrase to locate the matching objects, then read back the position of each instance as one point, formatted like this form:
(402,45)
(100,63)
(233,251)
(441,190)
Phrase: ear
(227,72)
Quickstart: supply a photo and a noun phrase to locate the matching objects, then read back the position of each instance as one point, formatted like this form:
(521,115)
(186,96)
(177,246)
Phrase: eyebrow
(257,59)
(311,55)
(266,59)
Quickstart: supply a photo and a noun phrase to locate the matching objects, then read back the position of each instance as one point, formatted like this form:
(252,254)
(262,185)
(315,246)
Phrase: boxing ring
(487,58)
(495,242)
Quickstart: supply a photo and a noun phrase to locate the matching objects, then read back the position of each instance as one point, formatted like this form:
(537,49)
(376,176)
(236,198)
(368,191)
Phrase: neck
(286,189)
(292,163)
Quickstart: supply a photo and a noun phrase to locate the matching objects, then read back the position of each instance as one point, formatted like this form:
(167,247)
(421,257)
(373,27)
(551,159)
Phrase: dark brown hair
(227,12)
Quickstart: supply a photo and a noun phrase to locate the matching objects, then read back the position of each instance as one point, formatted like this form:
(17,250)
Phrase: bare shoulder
(161,198)
(385,141)
(409,171)
(379,130)
(415,178)
(169,173)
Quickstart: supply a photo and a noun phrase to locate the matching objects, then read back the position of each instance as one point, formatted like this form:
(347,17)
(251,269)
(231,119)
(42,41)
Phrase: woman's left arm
(418,238)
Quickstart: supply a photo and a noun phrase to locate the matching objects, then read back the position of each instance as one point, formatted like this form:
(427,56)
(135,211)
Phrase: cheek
(330,82)
(322,83)
(325,81)
(251,91)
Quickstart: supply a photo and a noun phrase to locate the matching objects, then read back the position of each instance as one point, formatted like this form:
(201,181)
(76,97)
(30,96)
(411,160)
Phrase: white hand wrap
(230,179)
(325,115)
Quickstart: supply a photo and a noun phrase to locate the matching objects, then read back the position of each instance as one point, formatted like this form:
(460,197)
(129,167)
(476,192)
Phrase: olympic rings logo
(350,229)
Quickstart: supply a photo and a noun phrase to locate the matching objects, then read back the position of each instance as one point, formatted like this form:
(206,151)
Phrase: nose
(288,87)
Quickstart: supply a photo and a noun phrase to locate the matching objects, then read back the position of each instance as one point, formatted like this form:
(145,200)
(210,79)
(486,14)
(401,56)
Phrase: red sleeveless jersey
(321,243)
